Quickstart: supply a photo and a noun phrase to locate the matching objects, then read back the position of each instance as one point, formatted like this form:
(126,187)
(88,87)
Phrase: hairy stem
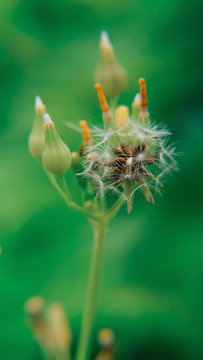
(99,228)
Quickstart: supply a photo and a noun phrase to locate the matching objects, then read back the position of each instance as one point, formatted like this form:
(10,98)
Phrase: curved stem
(64,192)
(92,289)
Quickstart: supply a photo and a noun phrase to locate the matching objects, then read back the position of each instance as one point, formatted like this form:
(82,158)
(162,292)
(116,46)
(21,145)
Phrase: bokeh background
(152,287)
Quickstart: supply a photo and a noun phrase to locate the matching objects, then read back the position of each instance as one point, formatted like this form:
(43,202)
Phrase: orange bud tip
(47,120)
(141,81)
(98,87)
(102,98)
(87,139)
(143,94)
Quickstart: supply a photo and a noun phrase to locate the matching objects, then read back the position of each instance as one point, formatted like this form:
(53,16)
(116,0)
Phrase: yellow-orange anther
(143,93)
(86,136)
(102,98)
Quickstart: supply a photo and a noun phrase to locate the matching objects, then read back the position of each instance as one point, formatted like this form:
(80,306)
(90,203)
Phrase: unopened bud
(122,115)
(106,338)
(110,73)
(105,43)
(37,139)
(75,162)
(39,106)
(59,328)
(56,156)
(34,308)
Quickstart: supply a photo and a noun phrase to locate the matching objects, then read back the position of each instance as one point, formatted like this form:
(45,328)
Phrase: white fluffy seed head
(156,139)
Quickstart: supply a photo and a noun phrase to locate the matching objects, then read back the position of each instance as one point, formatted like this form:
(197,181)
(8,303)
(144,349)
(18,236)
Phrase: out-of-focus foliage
(151,293)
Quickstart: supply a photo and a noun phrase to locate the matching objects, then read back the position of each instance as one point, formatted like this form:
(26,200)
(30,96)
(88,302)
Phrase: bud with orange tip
(102,98)
(144,101)
(86,135)
(106,112)
(143,93)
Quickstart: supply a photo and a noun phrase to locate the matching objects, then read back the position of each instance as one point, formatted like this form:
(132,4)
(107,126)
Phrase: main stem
(99,228)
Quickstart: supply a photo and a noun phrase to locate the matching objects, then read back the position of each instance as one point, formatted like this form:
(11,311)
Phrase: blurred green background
(152,287)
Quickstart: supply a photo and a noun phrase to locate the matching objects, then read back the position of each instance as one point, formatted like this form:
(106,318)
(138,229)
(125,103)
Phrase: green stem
(113,104)
(64,192)
(92,289)
(114,208)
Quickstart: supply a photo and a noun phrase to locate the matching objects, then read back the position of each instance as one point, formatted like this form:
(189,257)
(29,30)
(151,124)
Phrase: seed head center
(140,157)
(129,161)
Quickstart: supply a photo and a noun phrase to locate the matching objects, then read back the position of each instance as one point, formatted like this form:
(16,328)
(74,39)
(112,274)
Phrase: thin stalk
(113,104)
(114,208)
(64,192)
(92,289)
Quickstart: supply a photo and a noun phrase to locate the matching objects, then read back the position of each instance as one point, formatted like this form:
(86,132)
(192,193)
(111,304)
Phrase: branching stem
(98,223)
(64,192)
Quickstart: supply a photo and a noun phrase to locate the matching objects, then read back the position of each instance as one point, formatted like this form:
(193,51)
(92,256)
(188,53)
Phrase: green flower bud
(56,156)
(34,310)
(37,139)
(106,338)
(59,330)
(76,162)
(110,74)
